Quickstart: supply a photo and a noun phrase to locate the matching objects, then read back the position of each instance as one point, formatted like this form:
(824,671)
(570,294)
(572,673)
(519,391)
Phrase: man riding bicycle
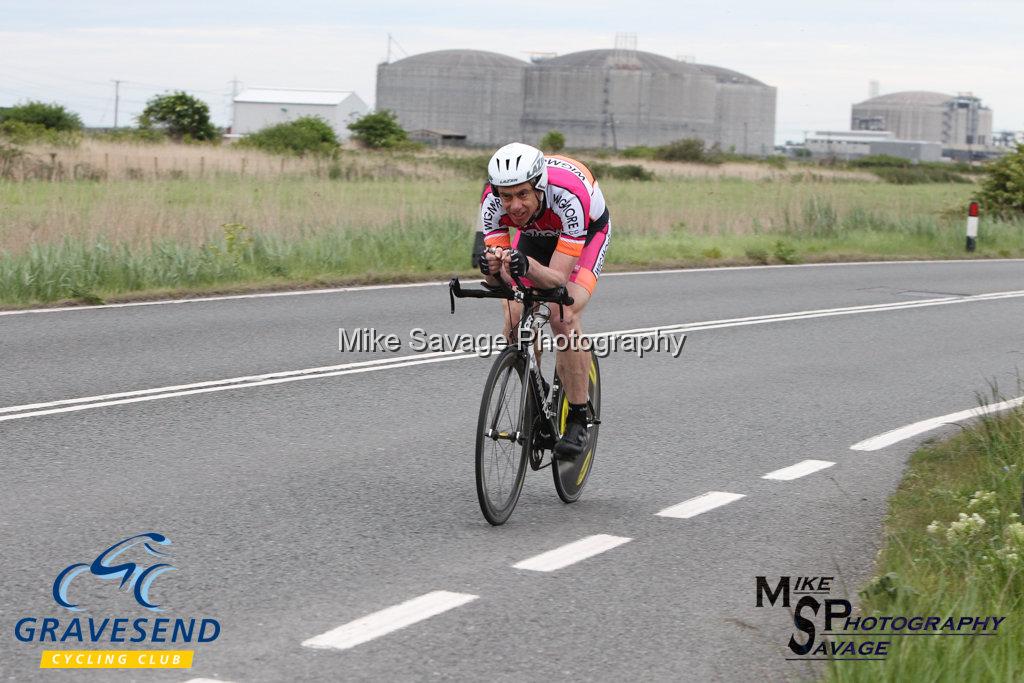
(562,233)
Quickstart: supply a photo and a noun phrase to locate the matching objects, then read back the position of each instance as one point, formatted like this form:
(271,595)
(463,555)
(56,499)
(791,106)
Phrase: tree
(306,134)
(50,116)
(1002,190)
(379,129)
(553,141)
(182,115)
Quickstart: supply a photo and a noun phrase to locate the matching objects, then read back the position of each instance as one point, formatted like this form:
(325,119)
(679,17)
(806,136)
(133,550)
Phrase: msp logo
(840,636)
(132,576)
(123,562)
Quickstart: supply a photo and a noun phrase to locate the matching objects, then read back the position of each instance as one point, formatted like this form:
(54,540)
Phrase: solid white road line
(801,469)
(388,620)
(700,504)
(358,288)
(571,553)
(87,402)
(896,435)
(229,387)
(251,380)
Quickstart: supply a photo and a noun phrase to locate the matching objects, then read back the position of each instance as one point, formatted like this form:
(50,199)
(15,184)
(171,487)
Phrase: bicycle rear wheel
(503,437)
(571,477)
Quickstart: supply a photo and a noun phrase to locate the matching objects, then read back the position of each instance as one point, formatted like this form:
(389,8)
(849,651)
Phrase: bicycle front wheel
(503,437)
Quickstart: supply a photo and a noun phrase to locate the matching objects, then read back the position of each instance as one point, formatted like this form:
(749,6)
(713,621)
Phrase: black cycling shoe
(572,443)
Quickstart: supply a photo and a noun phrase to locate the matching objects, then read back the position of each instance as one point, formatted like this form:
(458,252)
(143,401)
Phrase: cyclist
(562,232)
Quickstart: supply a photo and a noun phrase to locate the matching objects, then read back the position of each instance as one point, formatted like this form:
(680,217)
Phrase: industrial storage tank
(930,116)
(619,98)
(744,112)
(462,92)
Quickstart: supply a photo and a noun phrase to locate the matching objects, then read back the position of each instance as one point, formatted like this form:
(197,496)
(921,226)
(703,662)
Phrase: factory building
(744,111)
(596,98)
(463,92)
(952,120)
(257,108)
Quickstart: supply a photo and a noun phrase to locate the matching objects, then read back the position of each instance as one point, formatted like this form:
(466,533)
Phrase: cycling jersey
(573,220)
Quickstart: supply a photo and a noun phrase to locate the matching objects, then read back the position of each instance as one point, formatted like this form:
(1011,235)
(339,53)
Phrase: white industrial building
(258,108)
(853,144)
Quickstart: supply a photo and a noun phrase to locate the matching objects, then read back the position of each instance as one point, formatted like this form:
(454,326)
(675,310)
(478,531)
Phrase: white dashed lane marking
(388,620)
(801,469)
(700,504)
(572,553)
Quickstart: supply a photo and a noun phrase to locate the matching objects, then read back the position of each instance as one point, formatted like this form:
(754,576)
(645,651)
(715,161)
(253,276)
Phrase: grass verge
(954,546)
(241,259)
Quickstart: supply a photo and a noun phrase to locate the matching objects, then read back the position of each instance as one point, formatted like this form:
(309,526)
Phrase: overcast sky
(820,55)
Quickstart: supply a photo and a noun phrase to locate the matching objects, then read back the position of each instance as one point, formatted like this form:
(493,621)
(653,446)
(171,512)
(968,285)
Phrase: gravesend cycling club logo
(130,566)
(133,576)
(855,638)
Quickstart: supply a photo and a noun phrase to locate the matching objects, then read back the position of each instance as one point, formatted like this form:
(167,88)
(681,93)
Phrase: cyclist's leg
(573,363)
(573,369)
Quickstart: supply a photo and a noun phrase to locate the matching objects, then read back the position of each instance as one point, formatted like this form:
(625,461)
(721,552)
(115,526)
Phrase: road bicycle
(522,415)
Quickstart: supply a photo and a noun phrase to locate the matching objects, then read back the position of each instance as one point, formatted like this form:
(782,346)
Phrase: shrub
(21,133)
(379,130)
(757,255)
(1002,190)
(881,160)
(786,253)
(640,152)
(912,175)
(690,149)
(183,117)
(306,135)
(136,135)
(553,141)
(623,172)
(49,116)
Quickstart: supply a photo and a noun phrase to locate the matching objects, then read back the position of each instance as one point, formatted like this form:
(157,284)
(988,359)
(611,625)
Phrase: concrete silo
(929,116)
(618,98)
(468,92)
(744,112)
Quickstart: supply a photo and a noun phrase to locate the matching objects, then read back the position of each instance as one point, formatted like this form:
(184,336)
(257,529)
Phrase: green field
(90,240)
(954,546)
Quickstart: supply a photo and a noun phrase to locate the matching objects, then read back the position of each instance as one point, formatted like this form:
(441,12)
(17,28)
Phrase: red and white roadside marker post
(972,226)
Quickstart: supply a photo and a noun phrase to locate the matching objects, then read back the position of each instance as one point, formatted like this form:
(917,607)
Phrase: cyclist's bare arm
(555,274)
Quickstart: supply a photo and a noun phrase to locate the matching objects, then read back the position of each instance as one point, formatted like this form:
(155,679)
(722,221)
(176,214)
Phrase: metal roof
(460,58)
(288,96)
(910,97)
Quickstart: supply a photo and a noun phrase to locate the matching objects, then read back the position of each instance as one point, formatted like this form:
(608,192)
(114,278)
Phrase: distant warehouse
(258,108)
(596,98)
(952,120)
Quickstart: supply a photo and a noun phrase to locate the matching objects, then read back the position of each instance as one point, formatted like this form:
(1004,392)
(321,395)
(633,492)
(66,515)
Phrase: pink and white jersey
(573,206)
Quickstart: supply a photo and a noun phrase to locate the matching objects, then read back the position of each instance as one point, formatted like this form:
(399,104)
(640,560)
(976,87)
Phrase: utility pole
(117,99)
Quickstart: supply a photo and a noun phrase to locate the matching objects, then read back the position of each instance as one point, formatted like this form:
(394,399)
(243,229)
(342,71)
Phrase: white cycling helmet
(517,163)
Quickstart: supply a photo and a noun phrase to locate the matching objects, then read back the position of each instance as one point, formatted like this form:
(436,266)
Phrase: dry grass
(748,171)
(101,160)
(189,211)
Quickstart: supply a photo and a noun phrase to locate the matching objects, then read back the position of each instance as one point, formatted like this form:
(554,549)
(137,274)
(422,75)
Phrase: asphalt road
(297,507)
